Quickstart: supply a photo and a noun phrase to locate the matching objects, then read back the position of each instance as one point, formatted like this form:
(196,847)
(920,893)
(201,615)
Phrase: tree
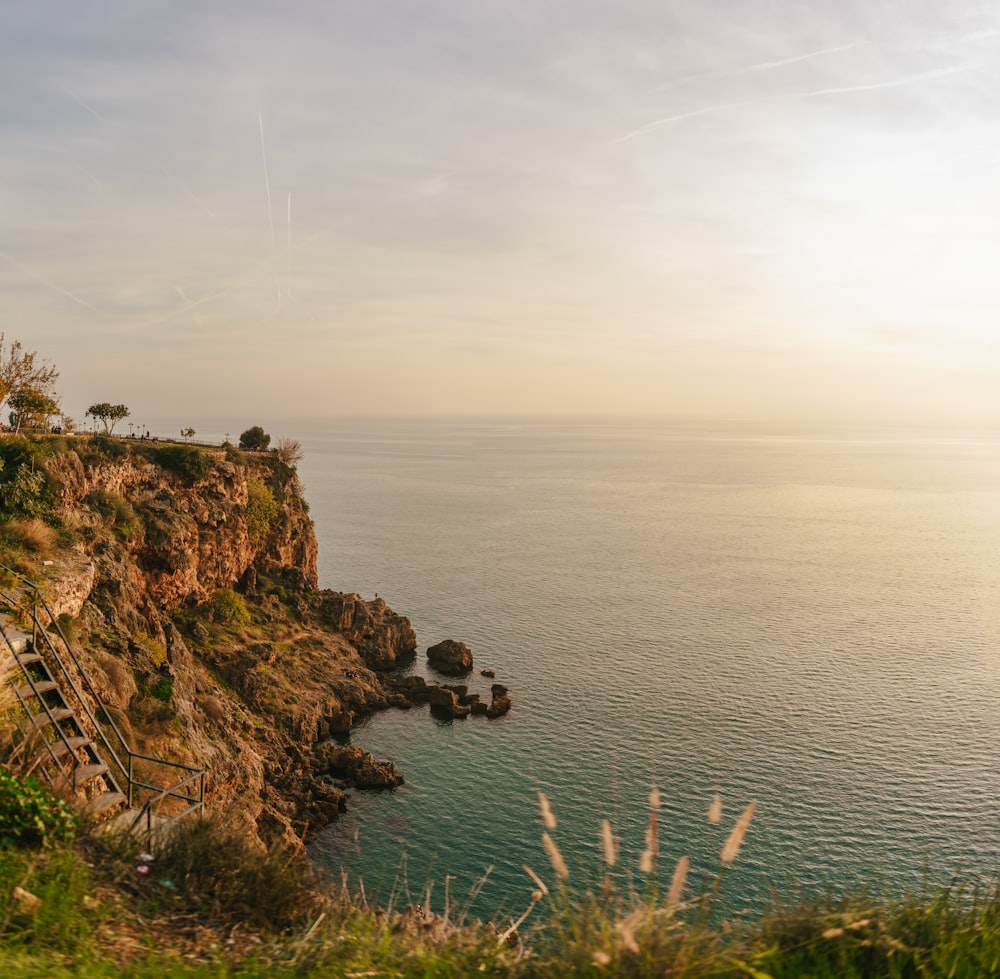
(289,451)
(32,408)
(108,414)
(187,433)
(22,370)
(255,439)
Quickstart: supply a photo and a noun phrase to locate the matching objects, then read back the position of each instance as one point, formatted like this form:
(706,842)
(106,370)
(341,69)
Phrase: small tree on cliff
(289,451)
(255,439)
(32,408)
(108,414)
(23,370)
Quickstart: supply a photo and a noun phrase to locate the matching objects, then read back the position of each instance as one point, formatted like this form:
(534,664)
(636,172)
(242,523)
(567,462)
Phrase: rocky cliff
(189,588)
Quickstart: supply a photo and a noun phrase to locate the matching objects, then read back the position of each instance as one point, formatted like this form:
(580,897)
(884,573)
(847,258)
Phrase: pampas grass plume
(715,809)
(608,842)
(677,882)
(548,817)
(732,845)
(539,883)
(555,857)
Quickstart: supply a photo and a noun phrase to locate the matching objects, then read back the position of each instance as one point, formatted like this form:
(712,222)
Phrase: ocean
(805,619)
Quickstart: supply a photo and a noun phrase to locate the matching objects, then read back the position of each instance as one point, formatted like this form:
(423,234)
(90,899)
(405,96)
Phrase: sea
(808,619)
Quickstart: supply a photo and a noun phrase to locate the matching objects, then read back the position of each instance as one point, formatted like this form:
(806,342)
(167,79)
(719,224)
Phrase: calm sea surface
(809,621)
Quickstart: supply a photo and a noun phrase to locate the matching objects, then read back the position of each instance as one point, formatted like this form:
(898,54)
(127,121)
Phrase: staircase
(68,738)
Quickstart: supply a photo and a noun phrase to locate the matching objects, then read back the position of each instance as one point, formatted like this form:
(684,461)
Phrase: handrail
(126,770)
(36,631)
(45,708)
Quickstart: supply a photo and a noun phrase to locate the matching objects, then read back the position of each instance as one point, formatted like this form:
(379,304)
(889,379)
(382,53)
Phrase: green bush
(26,492)
(262,508)
(163,689)
(103,448)
(29,816)
(185,460)
(116,511)
(229,606)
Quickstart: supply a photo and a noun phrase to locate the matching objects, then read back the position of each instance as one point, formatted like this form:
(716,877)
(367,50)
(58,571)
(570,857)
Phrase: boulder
(447,701)
(450,657)
(498,707)
(358,767)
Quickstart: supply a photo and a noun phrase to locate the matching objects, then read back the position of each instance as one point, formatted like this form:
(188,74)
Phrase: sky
(690,208)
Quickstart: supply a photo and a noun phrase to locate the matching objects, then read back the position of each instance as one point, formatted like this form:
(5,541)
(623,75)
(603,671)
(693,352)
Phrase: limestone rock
(380,635)
(359,768)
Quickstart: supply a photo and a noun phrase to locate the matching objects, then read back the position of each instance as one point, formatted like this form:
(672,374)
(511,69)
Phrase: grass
(213,902)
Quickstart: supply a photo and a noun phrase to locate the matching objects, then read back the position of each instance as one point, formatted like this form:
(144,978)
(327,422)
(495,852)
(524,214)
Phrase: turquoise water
(810,621)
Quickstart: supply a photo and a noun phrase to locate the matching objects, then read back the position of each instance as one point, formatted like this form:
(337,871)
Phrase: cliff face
(192,537)
(191,595)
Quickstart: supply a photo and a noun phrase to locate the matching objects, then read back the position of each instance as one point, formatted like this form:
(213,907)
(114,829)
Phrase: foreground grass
(211,904)
(247,913)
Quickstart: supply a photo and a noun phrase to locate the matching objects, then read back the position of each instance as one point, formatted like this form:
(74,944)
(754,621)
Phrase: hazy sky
(696,207)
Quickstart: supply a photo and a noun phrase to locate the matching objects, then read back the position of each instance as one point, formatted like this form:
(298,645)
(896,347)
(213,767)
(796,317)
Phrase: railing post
(130,780)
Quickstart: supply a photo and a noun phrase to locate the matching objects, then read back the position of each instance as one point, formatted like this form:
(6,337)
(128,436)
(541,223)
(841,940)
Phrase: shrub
(33,534)
(163,689)
(184,460)
(26,492)
(116,511)
(29,816)
(262,508)
(234,455)
(229,606)
(215,867)
(103,448)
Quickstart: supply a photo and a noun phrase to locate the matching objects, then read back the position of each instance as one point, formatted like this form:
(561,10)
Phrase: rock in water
(450,657)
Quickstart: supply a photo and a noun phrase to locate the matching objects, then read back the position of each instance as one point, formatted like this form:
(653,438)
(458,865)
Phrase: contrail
(267,190)
(192,307)
(83,105)
(761,66)
(722,107)
(267,180)
(892,83)
(764,65)
(650,126)
(47,282)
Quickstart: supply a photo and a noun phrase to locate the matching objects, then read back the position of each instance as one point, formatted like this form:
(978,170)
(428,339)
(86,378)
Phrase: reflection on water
(808,622)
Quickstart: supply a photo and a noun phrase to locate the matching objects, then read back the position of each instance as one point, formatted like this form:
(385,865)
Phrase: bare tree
(289,451)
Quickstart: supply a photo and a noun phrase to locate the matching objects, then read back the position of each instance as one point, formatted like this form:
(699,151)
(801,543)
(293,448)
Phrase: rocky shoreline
(211,643)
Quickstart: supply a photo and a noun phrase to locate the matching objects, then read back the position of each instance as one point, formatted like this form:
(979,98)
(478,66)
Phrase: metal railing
(183,796)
